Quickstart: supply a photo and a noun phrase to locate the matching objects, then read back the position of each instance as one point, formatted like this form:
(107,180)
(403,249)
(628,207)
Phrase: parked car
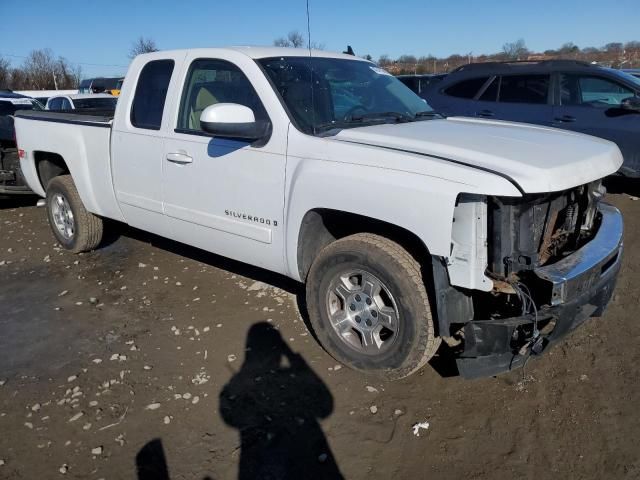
(405,227)
(632,71)
(97,101)
(565,94)
(420,83)
(11,179)
(100,85)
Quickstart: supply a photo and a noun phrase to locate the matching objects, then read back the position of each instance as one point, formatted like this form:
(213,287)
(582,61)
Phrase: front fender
(399,198)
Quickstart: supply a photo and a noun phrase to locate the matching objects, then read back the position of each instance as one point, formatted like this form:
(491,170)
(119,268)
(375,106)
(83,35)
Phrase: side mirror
(631,103)
(231,120)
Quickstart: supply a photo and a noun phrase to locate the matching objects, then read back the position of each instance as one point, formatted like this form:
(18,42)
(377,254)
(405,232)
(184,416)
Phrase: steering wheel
(354,109)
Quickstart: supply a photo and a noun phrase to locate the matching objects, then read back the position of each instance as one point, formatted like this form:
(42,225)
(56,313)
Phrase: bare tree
(40,70)
(614,47)
(5,73)
(68,76)
(142,45)
(294,39)
(407,59)
(384,60)
(515,50)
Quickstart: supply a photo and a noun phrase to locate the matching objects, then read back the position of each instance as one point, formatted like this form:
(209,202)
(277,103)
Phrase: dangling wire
(528,304)
(528,307)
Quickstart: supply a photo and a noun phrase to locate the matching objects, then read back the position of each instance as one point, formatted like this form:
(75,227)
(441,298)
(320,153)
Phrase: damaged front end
(553,260)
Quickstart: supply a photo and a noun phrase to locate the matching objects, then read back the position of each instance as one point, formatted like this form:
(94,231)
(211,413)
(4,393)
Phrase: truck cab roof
(257,52)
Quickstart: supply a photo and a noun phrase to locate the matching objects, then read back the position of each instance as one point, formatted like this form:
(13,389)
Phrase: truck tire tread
(89,227)
(427,342)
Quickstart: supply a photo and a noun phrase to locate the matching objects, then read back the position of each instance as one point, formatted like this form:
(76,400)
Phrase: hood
(536,159)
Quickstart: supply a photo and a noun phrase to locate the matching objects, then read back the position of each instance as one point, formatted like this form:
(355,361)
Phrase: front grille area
(535,230)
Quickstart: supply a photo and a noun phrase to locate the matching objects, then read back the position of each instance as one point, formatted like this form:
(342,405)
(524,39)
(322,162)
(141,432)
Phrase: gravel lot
(150,360)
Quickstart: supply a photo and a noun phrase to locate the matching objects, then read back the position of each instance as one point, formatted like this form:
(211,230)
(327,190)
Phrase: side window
(55,104)
(524,89)
(592,91)
(212,81)
(466,88)
(66,104)
(490,93)
(151,93)
(411,82)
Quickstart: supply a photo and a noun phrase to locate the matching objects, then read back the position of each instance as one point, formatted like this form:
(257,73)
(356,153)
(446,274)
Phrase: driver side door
(591,104)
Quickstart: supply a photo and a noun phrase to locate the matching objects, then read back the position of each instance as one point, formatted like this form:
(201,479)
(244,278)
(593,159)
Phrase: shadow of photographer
(275,401)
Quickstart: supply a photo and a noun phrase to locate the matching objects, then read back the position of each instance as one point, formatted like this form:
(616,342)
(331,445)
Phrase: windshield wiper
(381,116)
(366,118)
(333,124)
(427,113)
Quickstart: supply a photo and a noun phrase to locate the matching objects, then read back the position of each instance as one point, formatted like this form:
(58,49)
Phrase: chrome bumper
(576,273)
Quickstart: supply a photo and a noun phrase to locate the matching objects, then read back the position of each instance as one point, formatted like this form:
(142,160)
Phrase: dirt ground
(150,360)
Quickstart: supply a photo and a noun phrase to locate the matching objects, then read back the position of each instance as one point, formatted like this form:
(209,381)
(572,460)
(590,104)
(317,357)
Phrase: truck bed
(80,141)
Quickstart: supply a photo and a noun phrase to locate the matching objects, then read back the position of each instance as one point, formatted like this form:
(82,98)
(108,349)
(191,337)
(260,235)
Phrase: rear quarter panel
(86,151)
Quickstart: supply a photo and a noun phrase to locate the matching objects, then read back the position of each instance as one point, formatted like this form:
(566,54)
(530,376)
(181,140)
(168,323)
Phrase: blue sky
(93,32)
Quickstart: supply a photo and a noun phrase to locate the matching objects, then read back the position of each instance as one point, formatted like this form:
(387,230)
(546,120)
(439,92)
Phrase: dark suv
(421,83)
(11,179)
(559,93)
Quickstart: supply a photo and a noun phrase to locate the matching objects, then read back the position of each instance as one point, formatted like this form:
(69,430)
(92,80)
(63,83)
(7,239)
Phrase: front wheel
(74,227)
(369,307)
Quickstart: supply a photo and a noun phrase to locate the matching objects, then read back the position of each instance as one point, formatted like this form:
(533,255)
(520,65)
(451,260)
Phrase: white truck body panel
(86,150)
(248,202)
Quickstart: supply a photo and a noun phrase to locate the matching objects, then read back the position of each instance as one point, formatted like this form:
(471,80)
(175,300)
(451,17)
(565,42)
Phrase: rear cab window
(149,99)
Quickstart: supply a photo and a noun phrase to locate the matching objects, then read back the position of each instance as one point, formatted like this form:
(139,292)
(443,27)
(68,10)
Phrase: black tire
(87,227)
(401,274)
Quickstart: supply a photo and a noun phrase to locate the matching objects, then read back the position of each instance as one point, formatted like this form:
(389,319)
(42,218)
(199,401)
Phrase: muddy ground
(150,360)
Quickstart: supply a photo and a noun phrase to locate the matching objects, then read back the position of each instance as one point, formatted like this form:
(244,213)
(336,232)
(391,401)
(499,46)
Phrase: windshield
(346,93)
(628,77)
(104,103)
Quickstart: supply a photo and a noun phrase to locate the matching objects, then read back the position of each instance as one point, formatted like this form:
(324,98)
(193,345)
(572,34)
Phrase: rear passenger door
(591,104)
(137,144)
(518,98)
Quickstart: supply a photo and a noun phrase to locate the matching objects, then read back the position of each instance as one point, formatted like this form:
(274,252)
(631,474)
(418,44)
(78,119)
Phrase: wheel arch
(321,226)
(48,166)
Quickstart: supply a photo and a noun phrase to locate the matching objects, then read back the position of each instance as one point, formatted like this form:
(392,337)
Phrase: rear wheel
(369,307)
(74,227)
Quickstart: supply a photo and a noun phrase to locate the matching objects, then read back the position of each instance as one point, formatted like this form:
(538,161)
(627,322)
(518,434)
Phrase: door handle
(485,114)
(177,157)
(565,119)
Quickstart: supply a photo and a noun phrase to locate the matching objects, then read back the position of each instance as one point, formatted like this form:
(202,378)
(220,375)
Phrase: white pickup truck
(406,227)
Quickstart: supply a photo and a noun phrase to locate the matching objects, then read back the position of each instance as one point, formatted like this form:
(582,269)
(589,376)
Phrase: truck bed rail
(95,118)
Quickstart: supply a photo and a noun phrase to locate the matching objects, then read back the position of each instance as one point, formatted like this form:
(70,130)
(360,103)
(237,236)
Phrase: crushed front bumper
(581,286)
